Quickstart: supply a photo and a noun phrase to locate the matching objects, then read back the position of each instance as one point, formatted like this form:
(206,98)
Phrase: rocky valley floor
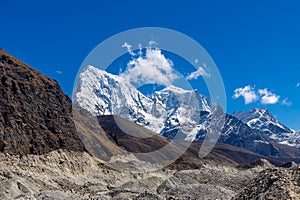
(65,174)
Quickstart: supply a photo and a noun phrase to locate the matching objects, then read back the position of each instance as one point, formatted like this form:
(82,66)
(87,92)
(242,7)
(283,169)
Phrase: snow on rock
(264,121)
(176,113)
(169,111)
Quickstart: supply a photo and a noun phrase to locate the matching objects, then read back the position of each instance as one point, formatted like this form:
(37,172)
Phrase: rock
(35,115)
(289,165)
(83,176)
(276,183)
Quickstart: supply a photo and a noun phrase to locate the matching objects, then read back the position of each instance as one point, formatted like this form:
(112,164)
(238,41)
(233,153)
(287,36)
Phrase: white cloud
(268,97)
(58,72)
(129,48)
(286,102)
(247,92)
(298,85)
(199,72)
(152,68)
(263,95)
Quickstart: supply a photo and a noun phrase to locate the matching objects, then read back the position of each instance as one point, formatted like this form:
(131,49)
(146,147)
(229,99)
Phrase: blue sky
(253,43)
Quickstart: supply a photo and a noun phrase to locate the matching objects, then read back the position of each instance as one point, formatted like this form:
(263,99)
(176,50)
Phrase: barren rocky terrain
(64,174)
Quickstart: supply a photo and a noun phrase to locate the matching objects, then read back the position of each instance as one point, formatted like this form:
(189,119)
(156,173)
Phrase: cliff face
(35,115)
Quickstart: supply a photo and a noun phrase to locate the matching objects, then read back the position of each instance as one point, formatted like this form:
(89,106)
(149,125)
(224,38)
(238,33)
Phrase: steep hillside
(35,115)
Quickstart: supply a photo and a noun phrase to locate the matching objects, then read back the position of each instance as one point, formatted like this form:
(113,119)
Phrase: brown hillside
(36,116)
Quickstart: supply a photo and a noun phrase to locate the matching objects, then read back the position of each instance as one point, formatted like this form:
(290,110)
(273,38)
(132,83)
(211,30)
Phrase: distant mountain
(173,112)
(168,111)
(264,121)
(35,115)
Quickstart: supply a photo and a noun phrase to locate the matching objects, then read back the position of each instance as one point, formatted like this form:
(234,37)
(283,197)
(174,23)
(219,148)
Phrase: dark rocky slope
(122,132)
(35,115)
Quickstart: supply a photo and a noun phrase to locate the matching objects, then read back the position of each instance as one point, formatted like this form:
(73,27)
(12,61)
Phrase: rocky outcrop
(274,183)
(35,115)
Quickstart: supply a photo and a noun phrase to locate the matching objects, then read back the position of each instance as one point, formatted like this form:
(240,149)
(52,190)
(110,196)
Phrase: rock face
(36,116)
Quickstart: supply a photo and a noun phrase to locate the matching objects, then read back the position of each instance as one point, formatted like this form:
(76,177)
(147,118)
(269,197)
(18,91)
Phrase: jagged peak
(261,119)
(260,110)
(256,112)
(174,89)
(98,71)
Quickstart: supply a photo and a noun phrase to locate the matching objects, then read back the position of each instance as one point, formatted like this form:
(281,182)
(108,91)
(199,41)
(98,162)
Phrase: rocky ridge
(36,116)
(180,114)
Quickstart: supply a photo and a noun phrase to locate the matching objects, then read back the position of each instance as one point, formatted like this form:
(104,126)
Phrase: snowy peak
(164,112)
(262,120)
(102,93)
(172,96)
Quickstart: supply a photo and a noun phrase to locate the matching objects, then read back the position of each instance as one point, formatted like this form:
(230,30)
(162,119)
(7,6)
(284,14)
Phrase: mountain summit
(262,120)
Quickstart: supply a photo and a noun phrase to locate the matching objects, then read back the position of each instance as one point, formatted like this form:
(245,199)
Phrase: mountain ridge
(121,98)
(172,112)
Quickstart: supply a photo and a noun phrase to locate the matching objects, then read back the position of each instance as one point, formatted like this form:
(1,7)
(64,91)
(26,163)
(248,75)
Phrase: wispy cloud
(58,72)
(129,48)
(196,74)
(248,93)
(297,85)
(268,97)
(286,102)
(152,68)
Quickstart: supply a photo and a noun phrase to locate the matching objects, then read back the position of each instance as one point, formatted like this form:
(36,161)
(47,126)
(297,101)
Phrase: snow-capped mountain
(102,93)
(262,120)
(180,114)
(168,112)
